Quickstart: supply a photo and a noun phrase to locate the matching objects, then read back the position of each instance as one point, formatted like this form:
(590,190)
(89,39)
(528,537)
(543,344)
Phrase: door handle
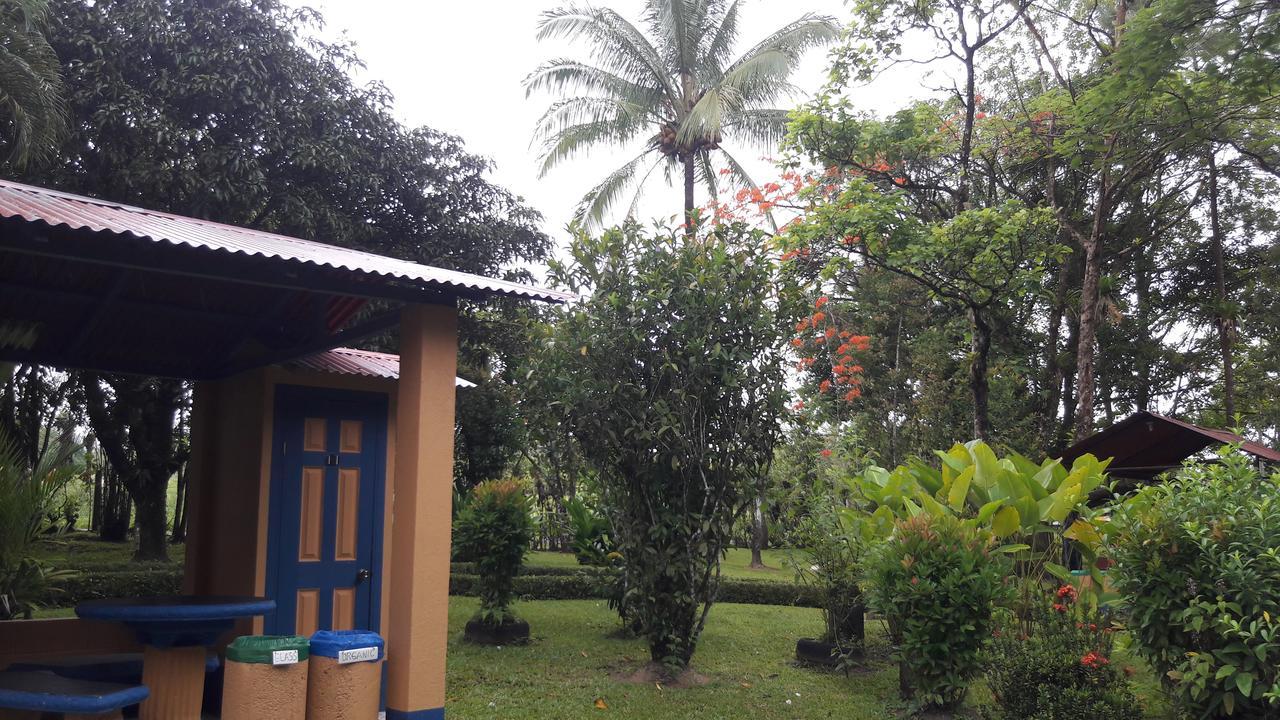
(362,575)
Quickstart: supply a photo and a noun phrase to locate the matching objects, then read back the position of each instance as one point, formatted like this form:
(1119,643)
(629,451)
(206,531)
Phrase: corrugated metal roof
(1145,444)
(78,212)
(349,361)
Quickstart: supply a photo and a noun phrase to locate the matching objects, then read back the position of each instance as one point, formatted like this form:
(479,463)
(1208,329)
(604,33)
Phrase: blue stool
(121,668)
(29,694)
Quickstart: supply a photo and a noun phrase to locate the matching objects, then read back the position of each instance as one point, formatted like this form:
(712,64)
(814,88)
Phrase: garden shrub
(1062,669)
(830,564)
(495,528)
(936,582)
(1197,560)
(557,583)
(74,588)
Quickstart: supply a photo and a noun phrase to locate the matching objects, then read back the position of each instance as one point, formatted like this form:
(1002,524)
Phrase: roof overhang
(1146,444)
(102,286)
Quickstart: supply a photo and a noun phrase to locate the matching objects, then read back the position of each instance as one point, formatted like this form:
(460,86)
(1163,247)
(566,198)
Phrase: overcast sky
(458,67)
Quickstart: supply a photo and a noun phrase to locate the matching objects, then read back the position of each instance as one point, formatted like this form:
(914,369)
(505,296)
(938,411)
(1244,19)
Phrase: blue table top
(175,608)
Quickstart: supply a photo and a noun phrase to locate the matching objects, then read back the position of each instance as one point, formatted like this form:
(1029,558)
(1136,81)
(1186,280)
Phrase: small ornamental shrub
(936,582)
(1197,560)
(831,563)
(495,528)
(1062,670)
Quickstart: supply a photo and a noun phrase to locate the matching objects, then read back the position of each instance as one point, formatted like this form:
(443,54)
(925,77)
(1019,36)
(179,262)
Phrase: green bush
(1197,560)
(559,583)
(1062,670)
(830,564)
(936,582)
(495,528)
(81,586)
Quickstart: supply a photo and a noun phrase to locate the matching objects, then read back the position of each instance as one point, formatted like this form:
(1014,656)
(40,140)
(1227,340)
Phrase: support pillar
(418,628)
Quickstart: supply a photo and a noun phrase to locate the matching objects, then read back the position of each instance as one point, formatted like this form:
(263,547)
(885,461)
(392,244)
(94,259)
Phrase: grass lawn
(746,651)
(735,565)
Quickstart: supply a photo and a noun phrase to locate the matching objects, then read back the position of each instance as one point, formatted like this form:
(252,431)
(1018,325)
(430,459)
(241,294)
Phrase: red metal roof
(1145,444)
(349,361)
(77,212)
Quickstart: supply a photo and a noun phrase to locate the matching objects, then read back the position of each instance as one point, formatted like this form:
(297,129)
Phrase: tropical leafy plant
(26,499)
(678,88)
(592,543)
(1030,507)
(31,101)
(937,581)
(494,530)
(1198,564)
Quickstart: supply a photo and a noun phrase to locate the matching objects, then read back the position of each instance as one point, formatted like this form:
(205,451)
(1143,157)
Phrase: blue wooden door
(324,545)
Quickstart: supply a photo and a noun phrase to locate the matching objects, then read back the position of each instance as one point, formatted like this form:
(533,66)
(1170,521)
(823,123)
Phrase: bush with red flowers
(1061,669)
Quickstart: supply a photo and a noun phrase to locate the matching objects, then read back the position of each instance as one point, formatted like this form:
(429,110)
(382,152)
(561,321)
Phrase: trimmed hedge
(566,583)
(69,591)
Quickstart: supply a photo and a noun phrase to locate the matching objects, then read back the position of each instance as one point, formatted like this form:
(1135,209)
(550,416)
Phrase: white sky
(458,67)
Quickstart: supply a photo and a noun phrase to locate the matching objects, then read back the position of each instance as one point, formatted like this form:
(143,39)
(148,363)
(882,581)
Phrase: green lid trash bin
(266,677)
(346,675)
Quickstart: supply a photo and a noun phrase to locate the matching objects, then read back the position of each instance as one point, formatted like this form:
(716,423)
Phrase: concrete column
(418,627)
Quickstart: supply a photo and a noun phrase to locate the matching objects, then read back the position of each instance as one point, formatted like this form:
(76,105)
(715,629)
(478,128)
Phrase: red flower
(818,317)
(1067,594)
(824,386)
(821,301)
(797,342)
(1094,660)
(1059,607)
(825,453)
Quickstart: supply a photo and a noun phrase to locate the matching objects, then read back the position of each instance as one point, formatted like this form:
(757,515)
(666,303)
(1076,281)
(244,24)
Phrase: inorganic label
(284,657)
(365,654)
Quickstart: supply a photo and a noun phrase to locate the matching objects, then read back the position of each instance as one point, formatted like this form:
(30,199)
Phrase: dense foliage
(676,395)
(592,541)
(1133,134)
(1062,669)
(494,528)
(937,581)
(1198,563)
(32,108)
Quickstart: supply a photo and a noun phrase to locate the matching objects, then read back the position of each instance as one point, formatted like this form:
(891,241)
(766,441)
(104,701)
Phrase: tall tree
(32,109)
(677,88)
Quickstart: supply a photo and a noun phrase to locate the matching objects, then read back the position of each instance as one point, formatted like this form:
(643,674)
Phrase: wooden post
(418,627)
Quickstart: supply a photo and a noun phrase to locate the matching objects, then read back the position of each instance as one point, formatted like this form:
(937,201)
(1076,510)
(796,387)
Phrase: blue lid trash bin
(345,679)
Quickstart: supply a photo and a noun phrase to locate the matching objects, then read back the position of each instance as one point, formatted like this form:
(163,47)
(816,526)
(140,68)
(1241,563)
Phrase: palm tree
(31,102)
(679,88)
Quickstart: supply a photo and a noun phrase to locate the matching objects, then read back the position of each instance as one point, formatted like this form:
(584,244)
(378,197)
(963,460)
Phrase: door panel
(325,534)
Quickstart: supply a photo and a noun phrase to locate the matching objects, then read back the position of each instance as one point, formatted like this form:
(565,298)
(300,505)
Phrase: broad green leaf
(1058,571)
(1006,522)
(988,510)
(1083,532)
(960,488)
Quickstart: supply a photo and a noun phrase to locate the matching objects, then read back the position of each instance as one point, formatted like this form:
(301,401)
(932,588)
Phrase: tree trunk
(759,529)
(689,181)
(1226,322)
(978,384)
(1089,301)
(1052,379)
(152,536)
(179,534)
